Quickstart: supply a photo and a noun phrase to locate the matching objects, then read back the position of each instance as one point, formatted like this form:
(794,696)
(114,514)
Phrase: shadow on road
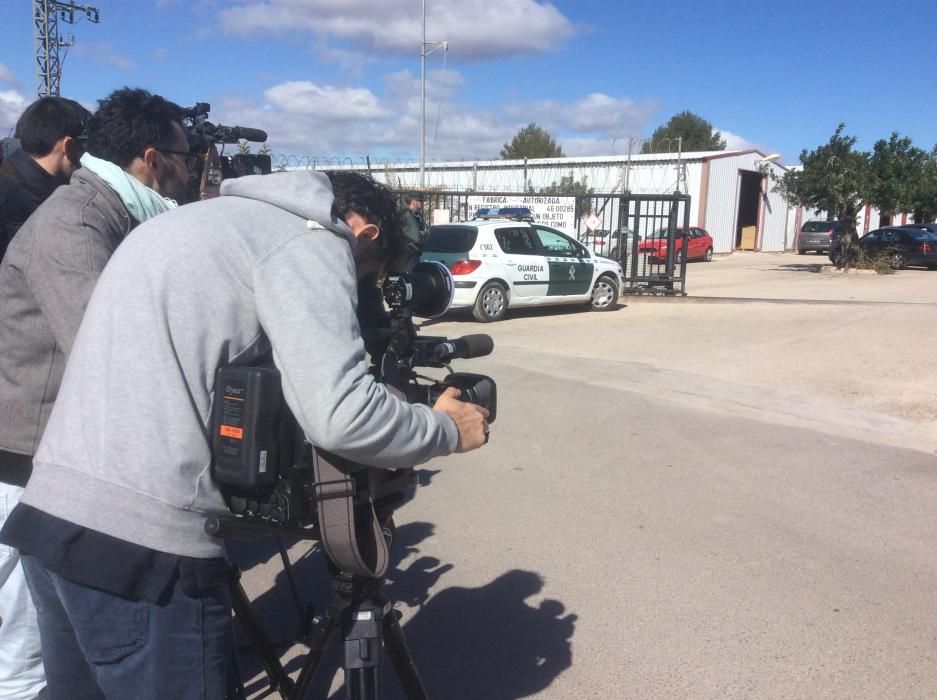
(468,643)
(488,642)
(802,267)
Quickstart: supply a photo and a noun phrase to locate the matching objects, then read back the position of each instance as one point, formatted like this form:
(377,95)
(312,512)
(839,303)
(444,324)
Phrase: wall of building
(643,174)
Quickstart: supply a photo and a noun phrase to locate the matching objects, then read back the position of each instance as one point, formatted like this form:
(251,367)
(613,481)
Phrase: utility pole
(423,54)
(46,16)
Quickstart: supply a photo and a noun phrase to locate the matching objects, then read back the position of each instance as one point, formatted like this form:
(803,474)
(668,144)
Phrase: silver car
(817,235)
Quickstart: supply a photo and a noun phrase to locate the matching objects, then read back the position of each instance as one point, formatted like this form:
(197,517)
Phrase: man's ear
(71,149)
(369,232)
(151,158)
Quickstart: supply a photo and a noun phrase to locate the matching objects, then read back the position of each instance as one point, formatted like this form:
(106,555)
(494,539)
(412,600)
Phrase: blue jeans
(98,645)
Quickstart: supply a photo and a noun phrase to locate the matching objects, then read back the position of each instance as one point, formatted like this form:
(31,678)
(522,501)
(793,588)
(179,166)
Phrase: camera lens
(426,290)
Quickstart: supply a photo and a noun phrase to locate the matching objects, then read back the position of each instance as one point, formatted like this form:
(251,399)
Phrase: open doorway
(749,191)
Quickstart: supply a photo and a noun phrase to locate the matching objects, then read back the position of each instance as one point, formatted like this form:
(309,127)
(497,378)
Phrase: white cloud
(598,114)
(305,119)
(475,29)
(12,105)
(105,53)
(734,142)
(326,103)
(6,76)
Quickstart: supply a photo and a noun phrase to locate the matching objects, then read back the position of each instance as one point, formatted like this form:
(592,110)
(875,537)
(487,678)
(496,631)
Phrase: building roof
(638,158)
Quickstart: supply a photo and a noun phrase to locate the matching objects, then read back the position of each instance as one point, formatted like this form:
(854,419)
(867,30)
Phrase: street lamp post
(423,54)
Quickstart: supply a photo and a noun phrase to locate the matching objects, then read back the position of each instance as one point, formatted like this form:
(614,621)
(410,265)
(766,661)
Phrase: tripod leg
(317,639)
(279,680)
(362,625)
(399,653)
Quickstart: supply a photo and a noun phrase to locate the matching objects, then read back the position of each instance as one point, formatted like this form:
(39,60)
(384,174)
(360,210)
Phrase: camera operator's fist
(469,419)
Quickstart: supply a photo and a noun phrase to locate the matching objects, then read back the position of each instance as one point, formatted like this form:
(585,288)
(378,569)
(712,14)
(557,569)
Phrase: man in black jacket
(50,133)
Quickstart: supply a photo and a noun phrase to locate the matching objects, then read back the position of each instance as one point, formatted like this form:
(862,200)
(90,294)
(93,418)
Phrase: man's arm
(306,295)
(64,264)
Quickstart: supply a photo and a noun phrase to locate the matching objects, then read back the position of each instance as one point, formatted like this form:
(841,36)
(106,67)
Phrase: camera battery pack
(247,424)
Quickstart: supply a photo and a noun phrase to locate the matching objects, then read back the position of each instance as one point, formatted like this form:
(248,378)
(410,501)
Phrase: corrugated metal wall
(722,204)
(774,237)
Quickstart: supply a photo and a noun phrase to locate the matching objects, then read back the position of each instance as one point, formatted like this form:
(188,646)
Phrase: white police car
(498,263)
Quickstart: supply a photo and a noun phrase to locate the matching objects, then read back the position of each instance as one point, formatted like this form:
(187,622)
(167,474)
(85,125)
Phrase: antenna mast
(46,16)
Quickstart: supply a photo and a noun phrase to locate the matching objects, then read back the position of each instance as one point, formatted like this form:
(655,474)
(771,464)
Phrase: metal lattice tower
(46,16)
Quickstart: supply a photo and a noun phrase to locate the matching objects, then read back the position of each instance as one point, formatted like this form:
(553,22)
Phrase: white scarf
(142,202)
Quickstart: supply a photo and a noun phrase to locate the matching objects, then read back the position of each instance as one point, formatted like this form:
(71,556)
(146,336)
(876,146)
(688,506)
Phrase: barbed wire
(645,177)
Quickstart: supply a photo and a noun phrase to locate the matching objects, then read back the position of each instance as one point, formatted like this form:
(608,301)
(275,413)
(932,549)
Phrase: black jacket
(24,185)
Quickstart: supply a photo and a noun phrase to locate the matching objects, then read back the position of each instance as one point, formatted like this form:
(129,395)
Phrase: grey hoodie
(126,451)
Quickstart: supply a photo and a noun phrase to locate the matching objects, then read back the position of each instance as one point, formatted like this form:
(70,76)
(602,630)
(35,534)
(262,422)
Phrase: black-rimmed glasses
(191,160)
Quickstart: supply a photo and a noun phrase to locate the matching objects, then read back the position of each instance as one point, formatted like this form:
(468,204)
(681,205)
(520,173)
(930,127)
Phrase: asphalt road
(679,500)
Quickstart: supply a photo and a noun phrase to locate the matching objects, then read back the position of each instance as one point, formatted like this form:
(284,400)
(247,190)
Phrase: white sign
(440,216)
(555,212)
(592,222)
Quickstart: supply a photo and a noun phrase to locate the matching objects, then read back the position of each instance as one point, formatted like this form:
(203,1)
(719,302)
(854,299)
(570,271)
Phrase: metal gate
(646,233)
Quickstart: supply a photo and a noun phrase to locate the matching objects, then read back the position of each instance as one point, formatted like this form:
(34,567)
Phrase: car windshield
(817,227)
(662,233)
(450,239)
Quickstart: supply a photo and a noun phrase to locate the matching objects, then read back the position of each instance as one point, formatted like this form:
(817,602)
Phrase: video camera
(204,138)
(262,461)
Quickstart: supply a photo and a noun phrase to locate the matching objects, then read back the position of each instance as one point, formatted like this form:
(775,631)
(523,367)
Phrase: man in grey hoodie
(111,523)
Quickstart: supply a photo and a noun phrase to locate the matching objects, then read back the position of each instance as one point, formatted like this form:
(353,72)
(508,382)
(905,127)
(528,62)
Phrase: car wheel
(709,255)
(491,304)
(801,251)
(604,294)
(897,261)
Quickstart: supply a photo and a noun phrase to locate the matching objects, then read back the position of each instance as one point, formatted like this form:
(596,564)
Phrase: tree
(570,186)
(896,168)
(531,142)
(697,134)
(924,191)
(834,178)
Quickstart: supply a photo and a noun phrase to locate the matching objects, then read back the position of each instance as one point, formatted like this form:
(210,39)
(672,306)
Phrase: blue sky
(341,77)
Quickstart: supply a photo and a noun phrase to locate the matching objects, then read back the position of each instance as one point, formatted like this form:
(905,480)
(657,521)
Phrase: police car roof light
(515,213)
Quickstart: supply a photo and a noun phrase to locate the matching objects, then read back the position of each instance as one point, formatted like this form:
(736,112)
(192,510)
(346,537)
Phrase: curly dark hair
(129,121)
(47,120)
(375,203)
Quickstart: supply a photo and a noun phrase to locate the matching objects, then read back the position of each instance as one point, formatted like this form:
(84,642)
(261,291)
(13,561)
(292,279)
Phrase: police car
(499,262)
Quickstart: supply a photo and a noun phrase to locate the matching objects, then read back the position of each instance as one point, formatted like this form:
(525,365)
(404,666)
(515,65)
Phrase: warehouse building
(731,192)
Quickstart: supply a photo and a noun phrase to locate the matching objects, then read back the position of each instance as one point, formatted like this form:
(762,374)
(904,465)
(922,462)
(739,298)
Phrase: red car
(699,244)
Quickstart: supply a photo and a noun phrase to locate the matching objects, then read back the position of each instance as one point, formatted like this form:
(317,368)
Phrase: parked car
(903,246)
(699,244)
(501,263)
(816,235)
(609,243)
(931,228)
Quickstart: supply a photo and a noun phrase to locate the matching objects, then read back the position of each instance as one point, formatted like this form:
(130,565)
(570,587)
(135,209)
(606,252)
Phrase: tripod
(368,622)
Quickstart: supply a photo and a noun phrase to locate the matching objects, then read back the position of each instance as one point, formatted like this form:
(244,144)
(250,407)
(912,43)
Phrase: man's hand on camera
(469,419)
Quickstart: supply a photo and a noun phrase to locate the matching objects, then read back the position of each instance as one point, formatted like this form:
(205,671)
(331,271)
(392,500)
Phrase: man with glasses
(137,165)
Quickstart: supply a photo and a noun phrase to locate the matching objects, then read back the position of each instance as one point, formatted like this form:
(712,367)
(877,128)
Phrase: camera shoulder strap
(363,553)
